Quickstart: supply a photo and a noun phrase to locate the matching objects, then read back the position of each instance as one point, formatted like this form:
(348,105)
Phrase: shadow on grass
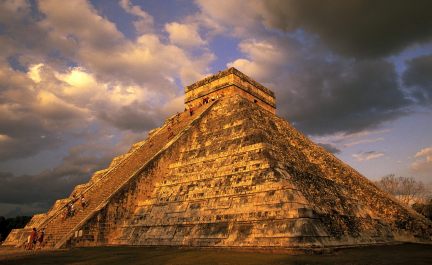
(411,254)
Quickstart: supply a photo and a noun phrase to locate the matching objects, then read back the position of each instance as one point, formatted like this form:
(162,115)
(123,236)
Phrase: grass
(411,254)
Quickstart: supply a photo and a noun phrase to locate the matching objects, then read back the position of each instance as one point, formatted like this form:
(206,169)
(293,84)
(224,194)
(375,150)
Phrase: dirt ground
(411,254)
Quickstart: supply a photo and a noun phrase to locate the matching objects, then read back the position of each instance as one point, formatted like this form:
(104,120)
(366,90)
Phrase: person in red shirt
(41,238)
(33,238)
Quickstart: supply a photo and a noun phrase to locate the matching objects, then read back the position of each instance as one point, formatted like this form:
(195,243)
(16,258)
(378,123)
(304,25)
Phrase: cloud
(131,117)
(17,209)
(325,60)
(363,29)
(146,61)
(418,78)
(336,142)
(44,102)
(423,161)
(232,17)
(145,21)
(48,185)
(424,152)
(79,24)
(62,105)
(265,59)
(364,141)
(61,34)
(366,156)
(331,148)
(32,117)
(33,193)
(185,35)
(323,94)
(20,30)
(34,72)
(355,28)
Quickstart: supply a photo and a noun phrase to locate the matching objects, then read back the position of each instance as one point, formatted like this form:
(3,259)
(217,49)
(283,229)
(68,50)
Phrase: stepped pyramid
(231,174)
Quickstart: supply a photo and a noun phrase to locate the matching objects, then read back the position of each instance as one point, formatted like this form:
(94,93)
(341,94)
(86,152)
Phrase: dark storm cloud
(131,117)
(331,148)
(24,38)
(329,72)
(418,77)
(42,189)
(34,193)
(342,96)
(23,129)
(26,145)
(356,27)
(322,93)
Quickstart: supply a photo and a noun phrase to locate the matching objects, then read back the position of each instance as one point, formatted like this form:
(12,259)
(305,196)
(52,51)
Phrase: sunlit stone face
(228,83)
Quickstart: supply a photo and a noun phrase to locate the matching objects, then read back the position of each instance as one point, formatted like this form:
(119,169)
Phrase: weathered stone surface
(228,83)
(233,175)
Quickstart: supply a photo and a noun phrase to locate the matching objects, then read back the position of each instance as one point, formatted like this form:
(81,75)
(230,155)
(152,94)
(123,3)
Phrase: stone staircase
(59,229)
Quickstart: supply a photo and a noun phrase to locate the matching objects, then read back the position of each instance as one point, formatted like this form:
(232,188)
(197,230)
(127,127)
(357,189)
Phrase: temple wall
(229,91)
(228,85)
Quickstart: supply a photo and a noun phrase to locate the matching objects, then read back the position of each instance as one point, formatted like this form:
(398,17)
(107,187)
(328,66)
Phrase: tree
(7,224)
(424,208)
(406,189)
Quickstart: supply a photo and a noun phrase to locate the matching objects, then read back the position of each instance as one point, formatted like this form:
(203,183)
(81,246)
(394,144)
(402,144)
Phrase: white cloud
(118,83)
(144,23)
(184,35)
(4,137)
(423,161)
(234,17)
(79,23)
(425,152)
(50,106)
(95,43)
(133,9)
(264,59)
(366,156)
(34,72)
(345,138)
(363,141)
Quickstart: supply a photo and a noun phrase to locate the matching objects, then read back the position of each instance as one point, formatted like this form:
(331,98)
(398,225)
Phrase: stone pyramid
(229,174)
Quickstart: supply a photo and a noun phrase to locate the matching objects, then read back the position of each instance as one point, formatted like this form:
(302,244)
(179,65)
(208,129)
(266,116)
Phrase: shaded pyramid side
(350,207)
(242,177)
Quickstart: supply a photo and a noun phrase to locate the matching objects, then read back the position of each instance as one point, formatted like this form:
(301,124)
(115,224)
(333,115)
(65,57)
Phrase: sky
(81,81)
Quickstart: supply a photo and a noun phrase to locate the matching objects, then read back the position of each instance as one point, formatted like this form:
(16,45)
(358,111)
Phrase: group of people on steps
(70,207)
(35,240)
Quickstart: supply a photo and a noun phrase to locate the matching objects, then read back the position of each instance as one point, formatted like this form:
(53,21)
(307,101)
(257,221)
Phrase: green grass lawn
(410,254)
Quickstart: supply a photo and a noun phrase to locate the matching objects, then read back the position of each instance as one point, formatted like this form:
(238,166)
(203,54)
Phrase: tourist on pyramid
(33,238)
(70,209)
(83,202)
(41,238)
(28,243)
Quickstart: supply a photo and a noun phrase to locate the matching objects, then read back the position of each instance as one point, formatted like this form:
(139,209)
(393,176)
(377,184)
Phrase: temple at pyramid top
(229,82)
